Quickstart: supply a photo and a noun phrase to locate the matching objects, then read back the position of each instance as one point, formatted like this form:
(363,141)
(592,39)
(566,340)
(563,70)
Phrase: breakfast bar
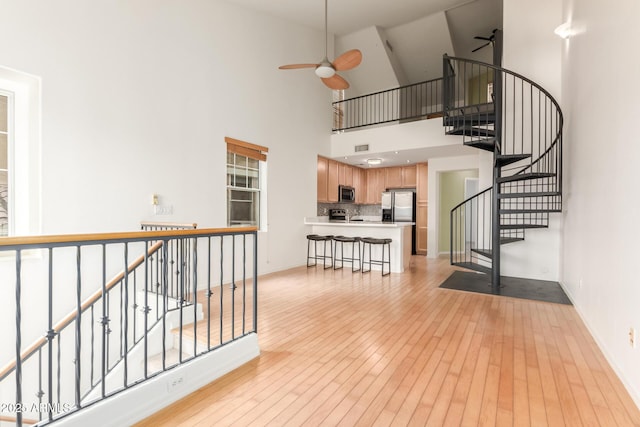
(398,232)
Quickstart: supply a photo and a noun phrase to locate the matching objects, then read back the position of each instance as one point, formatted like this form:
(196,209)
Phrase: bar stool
(381,262)
(324,239)
(342,240)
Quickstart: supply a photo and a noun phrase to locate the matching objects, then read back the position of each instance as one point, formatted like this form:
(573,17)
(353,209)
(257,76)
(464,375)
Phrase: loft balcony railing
(121,323)
(403,104)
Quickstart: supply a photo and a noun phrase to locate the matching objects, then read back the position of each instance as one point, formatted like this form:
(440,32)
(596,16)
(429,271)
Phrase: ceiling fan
(489,40)
(327,70)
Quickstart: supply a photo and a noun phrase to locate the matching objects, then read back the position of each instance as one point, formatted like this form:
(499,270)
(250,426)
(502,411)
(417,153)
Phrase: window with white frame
(20,160)
(245,183)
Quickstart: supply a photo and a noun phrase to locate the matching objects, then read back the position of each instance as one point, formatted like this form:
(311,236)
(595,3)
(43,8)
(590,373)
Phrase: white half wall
(427,136)
(147,398)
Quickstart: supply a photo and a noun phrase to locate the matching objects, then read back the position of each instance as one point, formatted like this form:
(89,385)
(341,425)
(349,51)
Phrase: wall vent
(363,147)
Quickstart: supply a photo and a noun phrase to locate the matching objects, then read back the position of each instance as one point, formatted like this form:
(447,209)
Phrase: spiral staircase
(517,120)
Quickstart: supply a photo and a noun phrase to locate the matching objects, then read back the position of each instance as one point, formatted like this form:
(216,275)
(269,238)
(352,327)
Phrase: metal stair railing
(529,151)
(52,377)
(405,103)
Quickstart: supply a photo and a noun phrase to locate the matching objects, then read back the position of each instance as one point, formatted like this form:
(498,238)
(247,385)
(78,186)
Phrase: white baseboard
(145,399)
(633,392)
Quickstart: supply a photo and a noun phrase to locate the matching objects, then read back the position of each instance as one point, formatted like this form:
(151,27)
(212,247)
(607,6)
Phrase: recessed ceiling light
(374,161)
(408,161)
(396,152)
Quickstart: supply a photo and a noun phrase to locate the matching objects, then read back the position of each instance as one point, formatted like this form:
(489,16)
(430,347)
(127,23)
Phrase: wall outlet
(175,383)
(580,284)
(632,337)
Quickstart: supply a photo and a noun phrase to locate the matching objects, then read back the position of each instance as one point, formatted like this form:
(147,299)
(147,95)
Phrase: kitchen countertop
(366,223)
(400,233)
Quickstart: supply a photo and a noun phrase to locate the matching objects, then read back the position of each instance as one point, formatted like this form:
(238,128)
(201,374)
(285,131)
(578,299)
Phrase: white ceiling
(467,18)
(347,16)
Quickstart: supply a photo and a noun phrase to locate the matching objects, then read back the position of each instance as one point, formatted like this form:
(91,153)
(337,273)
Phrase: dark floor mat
(539,290)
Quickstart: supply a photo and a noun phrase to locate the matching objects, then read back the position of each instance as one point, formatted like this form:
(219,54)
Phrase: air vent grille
(363,147)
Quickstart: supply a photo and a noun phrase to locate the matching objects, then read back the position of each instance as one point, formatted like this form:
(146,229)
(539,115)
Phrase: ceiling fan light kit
(327,70)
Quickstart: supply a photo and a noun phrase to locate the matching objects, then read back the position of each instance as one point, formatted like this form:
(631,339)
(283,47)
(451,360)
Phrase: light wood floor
(349,349)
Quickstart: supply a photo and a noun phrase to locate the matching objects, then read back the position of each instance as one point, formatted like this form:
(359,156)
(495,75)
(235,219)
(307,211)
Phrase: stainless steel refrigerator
(400,206)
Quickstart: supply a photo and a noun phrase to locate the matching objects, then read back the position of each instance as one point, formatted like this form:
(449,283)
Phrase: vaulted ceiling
(405,23)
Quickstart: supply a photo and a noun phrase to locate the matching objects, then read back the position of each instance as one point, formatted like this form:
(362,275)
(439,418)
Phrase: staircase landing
(538,290)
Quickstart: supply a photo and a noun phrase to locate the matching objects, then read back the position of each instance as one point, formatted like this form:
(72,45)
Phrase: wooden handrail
(168,224)
(107,237)
(39,343)
(6,419)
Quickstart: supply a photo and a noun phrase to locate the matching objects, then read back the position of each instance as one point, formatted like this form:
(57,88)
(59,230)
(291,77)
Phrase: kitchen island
(398,232)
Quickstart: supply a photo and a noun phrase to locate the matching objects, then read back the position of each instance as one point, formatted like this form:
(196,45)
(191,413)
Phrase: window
(5,106)
(20,158)
(245,183)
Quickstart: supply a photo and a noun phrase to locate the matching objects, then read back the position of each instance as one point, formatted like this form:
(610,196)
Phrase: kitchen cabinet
(422,205)
(323,171)
(360,184)
(345,174)
(375,185)
(332,182)
(400,177)
(368,183)
(393,177)
(409,176)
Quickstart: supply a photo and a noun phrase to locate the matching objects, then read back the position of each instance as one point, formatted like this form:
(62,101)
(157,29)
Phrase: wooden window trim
(253,151)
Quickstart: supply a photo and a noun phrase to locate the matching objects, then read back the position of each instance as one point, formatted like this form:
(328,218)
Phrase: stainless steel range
(337,215)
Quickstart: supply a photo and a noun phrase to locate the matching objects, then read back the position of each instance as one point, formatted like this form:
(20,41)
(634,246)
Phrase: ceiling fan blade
(348,60)
(336,82)
(296,66)
(478,48)
(482,38)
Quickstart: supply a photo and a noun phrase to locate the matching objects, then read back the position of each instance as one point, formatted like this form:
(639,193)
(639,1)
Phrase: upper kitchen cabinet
(409,174)
(375,185)
(393,177)
(360,184)
(345,174)
(400,177)
(323,175)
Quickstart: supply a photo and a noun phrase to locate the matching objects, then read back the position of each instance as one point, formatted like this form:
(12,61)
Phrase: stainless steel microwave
(346,194)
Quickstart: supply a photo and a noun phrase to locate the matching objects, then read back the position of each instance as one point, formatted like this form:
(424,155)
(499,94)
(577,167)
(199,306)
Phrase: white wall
(533,50)
(137,98)
(600,234)
(422,61)
(376,72)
